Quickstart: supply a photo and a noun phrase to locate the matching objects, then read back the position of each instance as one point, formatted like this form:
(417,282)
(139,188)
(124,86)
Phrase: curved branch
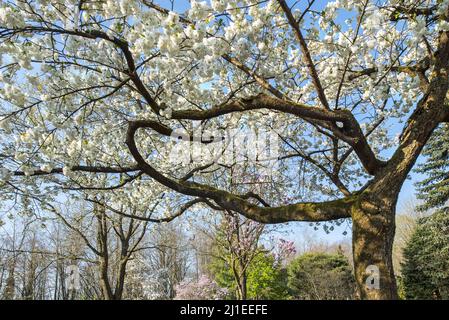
(305,211)
(350,132)
(262,101)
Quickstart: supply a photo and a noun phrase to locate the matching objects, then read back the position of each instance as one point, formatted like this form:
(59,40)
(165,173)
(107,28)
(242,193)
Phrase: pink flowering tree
(284,251)
(202,289)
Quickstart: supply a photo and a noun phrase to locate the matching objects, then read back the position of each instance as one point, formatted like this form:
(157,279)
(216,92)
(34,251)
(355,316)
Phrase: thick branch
(261,101)
(350,131)
(429,113)
(402,12)
(308,211)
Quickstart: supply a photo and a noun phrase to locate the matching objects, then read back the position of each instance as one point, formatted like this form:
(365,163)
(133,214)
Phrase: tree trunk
(102,243)
(120,284)
(243,286)
(241,280)
(373,214)
(104,279)
(373,231)
(9,292)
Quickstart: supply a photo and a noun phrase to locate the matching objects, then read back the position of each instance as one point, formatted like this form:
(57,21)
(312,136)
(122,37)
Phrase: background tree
(202,289)
(111,243)
(236,246)
(426,266)
(242,256)
(169,259)
(120,235)
(100,242)
(405,227)
(25,262)
(267,279)
(434,189)
(318,276)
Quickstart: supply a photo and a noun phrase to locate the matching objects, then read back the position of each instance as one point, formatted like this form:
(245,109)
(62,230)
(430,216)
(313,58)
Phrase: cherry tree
(236,244)
(94,95)
(202,289)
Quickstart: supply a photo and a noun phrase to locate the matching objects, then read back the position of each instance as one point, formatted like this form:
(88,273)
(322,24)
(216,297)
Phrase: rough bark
(372,238)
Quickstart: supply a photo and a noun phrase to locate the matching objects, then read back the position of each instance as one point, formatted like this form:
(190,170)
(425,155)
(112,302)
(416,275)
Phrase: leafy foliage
(265,278)
(321,276)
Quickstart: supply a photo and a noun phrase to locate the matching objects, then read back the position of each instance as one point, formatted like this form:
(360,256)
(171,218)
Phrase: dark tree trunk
(121,279)
(104,282)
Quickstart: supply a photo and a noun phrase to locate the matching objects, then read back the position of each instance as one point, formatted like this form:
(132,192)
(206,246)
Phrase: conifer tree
(425,269)
(434,189)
